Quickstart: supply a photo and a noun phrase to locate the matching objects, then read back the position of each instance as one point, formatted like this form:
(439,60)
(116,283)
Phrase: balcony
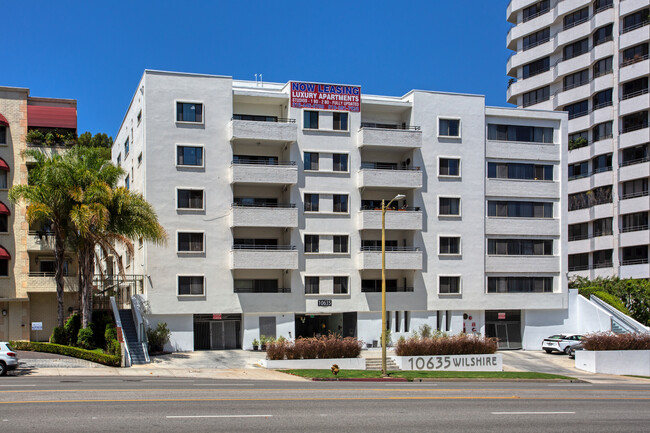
(633,35)
(40,241)
(276,130)
(634,70)
(264,257)
(402,219)
(522,226)
(258,172)
(396,258)
(386,136)
(633,101)
(275,215)
(378,175)
(44,282)
(46,150)
(516,264)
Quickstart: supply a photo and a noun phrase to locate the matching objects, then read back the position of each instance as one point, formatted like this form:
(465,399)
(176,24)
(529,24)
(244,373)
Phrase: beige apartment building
(27,286)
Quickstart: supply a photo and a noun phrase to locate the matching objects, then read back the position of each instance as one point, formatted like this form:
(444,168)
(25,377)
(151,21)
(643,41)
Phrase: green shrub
(604,296)
(71,327)
(110,336)
(58,336)
(158,337)
(100,358)
(86,340)
(98,325)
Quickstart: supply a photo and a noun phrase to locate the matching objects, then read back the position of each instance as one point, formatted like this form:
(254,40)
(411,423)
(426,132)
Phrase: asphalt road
(146,404)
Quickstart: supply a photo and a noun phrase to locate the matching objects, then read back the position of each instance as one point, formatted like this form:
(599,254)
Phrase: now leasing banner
(325,96)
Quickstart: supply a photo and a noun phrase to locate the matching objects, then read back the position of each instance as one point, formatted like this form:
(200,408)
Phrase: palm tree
(48,201)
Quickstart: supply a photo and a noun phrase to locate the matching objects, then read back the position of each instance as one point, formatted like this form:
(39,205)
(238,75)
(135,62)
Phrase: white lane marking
(218,416)
(17,385)
(531,413)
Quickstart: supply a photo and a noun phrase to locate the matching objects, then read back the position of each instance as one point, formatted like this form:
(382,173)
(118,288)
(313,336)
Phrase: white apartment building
(272,202)
(590,58)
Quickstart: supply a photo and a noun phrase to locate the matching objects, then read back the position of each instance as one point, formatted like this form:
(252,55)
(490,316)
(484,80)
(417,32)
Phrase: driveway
(221,359)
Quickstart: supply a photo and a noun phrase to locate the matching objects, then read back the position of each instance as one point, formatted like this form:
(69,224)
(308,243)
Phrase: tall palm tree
(48,201)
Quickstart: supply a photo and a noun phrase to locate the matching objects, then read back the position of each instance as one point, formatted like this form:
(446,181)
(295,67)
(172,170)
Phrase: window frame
(317,279)
(6,180)
(311,163)
(311,243)
(450,176)
(202,166)
(447,118)
(182,231)
(347,284)
(460,206)
(5,216)
(347,204)
(347,162)
(347,121)
(179,188)
(3,132)
(347,244)
(460,245)
(460,284)
(304,126)
(189,122)
(304,201)
(190,295)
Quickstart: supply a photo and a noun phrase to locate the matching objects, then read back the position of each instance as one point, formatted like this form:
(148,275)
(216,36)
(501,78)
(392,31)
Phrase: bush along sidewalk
(88,355)
(326,346)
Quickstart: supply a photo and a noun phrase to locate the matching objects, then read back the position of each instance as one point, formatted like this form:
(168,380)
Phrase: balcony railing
(388,289)
(603,8)
(603,72)
(634,195)
(264,247)
(576,23)
(576,115)
(389,248)
(602,265)
(591,173)
(388,126)
(535,44)
(603,40)
(634,128)
(635,94)
(392,208)
(601,105)
(637,228)
(264,290)
(634,161)
(244,161)
(572,86)
(578,268)
(266,119)
(633,60)
(533,16)
(266,205)
(49,274)
(634,27)
(578,237)
(386,166)
(536,101)
(634,262)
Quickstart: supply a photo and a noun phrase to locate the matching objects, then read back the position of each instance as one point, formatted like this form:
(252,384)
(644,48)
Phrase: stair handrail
(118,324)
(621,317)
(140,326)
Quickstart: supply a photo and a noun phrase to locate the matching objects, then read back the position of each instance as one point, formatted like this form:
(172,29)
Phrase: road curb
(360,379)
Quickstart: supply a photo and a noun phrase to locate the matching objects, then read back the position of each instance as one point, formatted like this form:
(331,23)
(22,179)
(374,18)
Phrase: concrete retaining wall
(343,363)
(635,362)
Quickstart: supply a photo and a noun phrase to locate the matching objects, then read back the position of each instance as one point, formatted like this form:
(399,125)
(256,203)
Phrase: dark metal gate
(505,325)
(217,332)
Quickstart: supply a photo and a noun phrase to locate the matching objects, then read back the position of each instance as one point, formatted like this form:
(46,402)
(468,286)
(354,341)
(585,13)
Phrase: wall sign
(37,326)
(324,302)
(216,317)
(325,96)
(501,316)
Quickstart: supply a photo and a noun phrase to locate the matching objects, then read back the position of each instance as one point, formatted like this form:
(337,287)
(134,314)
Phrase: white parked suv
(8,358)
(561,342)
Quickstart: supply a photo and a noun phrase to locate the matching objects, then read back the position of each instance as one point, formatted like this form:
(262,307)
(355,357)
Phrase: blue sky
(96,51)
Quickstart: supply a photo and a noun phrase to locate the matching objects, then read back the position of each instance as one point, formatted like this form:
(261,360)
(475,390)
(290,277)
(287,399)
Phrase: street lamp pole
(384,371)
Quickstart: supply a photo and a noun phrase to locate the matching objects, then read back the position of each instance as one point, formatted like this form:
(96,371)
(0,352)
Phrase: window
(449,245)
(4,223)
(341,244)
(634,255)
(139,117)
(448,285)
(596,196)
(602,99)
(635,155)
(601,163)
(340,121)
(189,112)
(340,202)
(340,162)
(311,161)
(602,131)
(520,247)
(575,18)
(312,285)
(3,179)
(578,262)
(528,134)
(537,67)
(634,88)
(575,49)
(256,286)
(449,127)
(520,284)
(576,80)
(636,20)
(536,10)
(635,121)
(4,267)
(190,242)
(311,202)
(603,66)
(190,198)
(340,285)
(190,156)
(635,188)
(126,148)
(449,167)
(256,202)
(537,38)
(603,34)
(119,159)
(127,182)
(635,54)
(449,206)
(373,286)
(578,109)
(579,170)
(601,5)
(3,134)
(520,209)
(191,285)
(634,222)
(536,96)
(602,259)
(603,227)
(502,170)
(140,158)
(310,120)
(311,243)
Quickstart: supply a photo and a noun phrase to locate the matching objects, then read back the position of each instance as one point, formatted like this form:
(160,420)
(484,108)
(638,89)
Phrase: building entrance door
(217,331)
(310,325)
(505,325)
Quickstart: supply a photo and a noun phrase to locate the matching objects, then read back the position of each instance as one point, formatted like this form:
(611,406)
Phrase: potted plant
(256,344)
(263,341)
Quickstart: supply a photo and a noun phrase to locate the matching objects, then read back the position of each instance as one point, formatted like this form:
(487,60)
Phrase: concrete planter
(326,363)
(636,362)
(491,362)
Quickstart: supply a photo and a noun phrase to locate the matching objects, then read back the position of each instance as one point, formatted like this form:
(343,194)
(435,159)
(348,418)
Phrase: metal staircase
(621,323)
(130,333)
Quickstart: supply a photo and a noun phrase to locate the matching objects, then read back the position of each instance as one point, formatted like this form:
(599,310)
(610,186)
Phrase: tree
(98,140)
(48,201)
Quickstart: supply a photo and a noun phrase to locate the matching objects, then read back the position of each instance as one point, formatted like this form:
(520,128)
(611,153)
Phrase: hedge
(610,341)
(100,358)
(462,344)
(605,297)
(325,346)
